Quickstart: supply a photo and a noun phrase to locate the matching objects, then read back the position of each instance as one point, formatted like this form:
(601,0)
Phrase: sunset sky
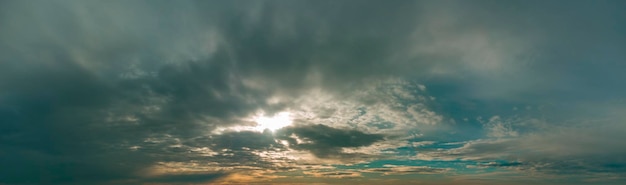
(320,92)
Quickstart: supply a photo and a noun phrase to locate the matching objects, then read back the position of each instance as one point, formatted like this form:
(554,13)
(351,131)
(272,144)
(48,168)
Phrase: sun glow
(273,123)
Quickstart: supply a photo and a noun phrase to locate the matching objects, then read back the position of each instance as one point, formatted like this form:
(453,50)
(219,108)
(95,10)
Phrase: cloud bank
(157,92)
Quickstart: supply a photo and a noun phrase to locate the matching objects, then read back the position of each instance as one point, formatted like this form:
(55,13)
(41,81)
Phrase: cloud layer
(165,92)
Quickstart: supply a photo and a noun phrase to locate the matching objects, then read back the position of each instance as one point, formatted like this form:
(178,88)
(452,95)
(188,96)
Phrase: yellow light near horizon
(278,121)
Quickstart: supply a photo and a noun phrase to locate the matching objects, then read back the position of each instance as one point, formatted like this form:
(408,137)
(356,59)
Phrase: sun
(277,121)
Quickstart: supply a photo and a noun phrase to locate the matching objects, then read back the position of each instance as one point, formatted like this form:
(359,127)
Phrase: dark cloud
(501,164)
(325,141)
(70,116)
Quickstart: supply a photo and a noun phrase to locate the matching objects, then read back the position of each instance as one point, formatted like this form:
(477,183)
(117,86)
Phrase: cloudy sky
(312,92)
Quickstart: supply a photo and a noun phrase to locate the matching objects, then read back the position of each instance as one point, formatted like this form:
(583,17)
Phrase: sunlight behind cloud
(263,122)
(273,123)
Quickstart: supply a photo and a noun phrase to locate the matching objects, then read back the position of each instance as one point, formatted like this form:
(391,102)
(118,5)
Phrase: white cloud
(388,107)
(496,127)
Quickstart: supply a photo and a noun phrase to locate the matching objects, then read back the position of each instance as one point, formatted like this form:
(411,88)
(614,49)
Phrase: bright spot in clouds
(273,123)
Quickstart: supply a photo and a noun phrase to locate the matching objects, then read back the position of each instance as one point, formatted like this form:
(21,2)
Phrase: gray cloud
(325,141)
(584,151)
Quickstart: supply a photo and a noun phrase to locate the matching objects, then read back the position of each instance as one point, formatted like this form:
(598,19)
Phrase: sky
(312,92)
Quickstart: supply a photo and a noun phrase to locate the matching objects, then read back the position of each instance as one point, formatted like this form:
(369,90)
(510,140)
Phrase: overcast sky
(313,92)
